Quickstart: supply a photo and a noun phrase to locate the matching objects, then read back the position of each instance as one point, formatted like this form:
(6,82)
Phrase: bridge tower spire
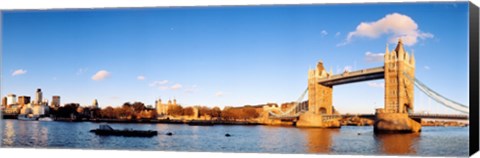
(386,49)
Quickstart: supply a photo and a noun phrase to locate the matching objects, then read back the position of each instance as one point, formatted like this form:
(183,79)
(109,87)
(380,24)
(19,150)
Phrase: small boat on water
(200,123)
(28,117)
(106,130)
(46,119)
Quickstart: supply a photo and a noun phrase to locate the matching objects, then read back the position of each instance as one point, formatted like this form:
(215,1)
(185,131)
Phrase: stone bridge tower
(319,101)
(398,93)
(398,88)
(319,96)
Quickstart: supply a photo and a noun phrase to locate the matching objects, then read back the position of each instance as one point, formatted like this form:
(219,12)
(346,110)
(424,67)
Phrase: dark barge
(200,123)
(106,130)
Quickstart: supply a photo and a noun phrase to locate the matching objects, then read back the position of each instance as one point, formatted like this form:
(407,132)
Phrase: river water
(351,140)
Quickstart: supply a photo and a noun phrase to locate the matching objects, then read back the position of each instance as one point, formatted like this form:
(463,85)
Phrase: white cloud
(159,84)
(191,89)
(337,34)
(101,75)
(162,85)
(324,33)
(426,67)
(376,84)
(394,25)
(140,77)
(373,57)
(176,86)
(19,72)
(219,94)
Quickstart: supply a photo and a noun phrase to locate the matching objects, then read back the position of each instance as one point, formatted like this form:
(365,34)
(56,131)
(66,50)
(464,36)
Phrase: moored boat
(45,119)
(25,117)
(200,123)
(106,130)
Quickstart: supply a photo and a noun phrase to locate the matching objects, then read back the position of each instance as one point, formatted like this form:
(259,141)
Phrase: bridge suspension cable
(289,111)
(437,97)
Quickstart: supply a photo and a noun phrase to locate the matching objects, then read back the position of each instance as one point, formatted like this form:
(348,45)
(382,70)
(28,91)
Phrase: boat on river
(200,123)
(46,119)
(106,130)
(28,117)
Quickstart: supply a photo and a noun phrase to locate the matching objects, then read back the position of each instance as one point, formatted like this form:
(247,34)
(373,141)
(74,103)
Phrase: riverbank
(344,122)
(164,121)
(172,121)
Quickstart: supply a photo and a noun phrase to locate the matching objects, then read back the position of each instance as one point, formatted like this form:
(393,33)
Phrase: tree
(175,110)
(188,111)
(80,110)
(239,113)
(216,112)
(138,107)
(127,104)
(249,113)
(204,111)
(67,110)
(153,113)
(125,112)
(108,112)
(229,114)
(96,112)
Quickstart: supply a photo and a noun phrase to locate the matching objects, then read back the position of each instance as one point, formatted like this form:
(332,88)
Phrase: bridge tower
(319,96)
(398,93)
(319,101)
(398,88)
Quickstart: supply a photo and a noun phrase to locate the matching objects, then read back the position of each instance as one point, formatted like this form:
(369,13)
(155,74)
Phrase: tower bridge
(397,115)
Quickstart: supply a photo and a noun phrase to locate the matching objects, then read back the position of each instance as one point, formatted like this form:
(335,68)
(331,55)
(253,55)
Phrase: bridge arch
(322,110)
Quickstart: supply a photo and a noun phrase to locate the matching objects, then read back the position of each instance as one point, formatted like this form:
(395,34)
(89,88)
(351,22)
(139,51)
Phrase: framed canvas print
(376,79)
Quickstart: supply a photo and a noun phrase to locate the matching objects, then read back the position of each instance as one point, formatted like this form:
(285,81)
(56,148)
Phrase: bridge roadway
(419,116)
(354,76)
(372,116)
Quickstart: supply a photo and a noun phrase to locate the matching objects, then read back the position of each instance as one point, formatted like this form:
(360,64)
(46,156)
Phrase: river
(351,140)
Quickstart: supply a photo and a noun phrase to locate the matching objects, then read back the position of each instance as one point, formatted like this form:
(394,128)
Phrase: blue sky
(228,56)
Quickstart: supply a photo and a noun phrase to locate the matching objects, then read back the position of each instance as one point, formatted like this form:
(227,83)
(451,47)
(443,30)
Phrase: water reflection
(43,136)
(9,134)
(37,136)
(272,135)
(397,144)
(319,140)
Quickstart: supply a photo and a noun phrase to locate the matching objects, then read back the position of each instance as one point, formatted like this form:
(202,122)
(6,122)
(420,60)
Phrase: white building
(27,109)
(40,109)
(11,99)
(35,109)
(162,109)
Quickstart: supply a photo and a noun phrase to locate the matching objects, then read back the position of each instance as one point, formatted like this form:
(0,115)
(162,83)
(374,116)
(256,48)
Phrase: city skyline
(230,56)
